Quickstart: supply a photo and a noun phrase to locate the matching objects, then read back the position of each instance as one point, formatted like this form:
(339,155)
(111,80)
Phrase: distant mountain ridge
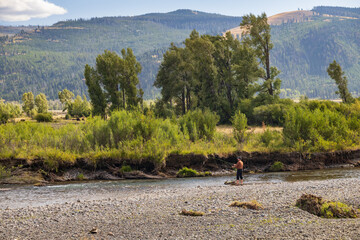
(306,42)
(50,58)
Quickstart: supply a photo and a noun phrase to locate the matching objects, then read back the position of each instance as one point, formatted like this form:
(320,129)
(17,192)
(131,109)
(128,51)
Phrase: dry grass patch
(255,205)
(191,213)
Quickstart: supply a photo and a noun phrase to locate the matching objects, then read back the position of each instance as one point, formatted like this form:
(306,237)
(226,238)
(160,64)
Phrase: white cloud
(23,10)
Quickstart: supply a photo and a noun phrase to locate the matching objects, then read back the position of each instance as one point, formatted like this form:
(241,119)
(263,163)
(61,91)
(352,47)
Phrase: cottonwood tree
(335,72)
(113,82)
(257,34)
(175,77)
(210,72)
(41,103)
(66,98)
(28,103)
(237,70)
(204,70)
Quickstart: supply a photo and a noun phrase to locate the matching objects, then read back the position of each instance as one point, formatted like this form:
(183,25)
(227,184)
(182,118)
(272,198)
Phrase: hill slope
(49,59)
(306,42)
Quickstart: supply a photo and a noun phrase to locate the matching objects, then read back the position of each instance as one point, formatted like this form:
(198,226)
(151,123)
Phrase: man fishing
(239,166)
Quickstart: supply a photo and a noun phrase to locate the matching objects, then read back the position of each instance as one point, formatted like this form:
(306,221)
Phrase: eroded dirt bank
(24,171)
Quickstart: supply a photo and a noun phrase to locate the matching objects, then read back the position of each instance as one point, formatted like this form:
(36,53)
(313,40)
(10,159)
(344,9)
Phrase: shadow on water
(23,196)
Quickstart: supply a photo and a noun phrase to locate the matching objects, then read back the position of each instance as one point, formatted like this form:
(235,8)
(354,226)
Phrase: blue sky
(47,12)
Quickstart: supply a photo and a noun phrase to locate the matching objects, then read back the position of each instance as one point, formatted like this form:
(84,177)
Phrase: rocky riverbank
(153,213)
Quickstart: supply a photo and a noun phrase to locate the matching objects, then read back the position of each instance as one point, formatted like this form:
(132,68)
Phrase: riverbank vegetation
(209,81)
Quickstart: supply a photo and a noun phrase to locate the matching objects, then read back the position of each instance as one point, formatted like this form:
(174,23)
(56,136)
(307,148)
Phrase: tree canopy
(335,72)
(113,82)
(209,72)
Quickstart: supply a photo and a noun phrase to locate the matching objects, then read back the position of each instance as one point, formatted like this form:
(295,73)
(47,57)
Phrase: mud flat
(153,213)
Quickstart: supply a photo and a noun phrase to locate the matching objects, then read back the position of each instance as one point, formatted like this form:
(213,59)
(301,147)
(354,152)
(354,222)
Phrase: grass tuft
(247,205)
(191,213)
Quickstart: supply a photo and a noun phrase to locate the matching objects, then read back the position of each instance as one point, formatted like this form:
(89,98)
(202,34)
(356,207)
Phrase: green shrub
(4,172)
(276,167)
(125,168)
(323,208)
(267,136)
(80,177)
(54,159)
(239,122)
(187,172)
(8,110)
(272,114)
(79,107)
(337,210)
(199,124)
(43,117)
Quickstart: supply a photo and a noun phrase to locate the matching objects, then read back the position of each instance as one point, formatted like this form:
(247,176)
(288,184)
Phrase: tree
(97,96)
(129,79)
(205,71)
(237,70)
(28,102)
(41,103)
(113,81)
(210,72)
(335,72)
(7,111)
(175,77)
(66,98)
(257,35)
(80,107)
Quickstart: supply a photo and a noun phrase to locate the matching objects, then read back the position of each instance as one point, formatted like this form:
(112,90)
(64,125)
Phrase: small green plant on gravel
(255,205)
(337,210)
(323,208)
(125,168)
(187,172)
(277,167)
(205,174)
(192,213)
(80,177)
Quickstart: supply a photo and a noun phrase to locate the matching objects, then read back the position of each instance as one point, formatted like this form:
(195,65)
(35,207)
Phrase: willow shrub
(8,110)
(239,122)
(319,130)
(199,124)
(125,136)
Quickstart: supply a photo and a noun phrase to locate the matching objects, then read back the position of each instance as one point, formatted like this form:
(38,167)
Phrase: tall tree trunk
(229,97)
(268,74)
(188,98)
(183,101)
(124,98)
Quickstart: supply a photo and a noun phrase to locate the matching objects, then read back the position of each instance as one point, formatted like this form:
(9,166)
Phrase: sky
(48,12)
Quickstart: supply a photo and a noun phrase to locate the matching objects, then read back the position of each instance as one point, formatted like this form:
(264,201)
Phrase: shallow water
(15,196)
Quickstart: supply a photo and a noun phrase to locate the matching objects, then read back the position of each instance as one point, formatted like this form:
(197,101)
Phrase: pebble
(153,214)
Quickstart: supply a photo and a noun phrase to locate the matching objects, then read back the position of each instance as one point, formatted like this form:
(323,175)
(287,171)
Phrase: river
(20,196)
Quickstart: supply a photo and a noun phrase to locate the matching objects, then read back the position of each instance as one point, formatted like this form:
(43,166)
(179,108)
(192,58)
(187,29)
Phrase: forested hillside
(338,11)
(49,59)
(303,51)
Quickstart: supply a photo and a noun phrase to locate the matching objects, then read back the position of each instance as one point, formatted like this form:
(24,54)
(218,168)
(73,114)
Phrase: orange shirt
(239,165)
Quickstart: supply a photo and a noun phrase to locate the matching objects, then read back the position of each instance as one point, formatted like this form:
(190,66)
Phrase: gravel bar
(154,214)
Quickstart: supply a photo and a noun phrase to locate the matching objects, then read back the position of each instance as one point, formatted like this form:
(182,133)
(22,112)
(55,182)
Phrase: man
(239,166)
